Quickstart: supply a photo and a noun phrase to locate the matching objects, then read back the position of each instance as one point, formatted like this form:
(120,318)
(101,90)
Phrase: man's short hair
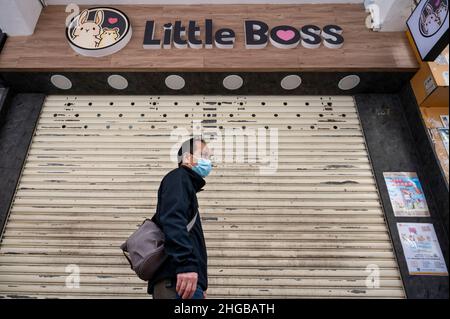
(188,146)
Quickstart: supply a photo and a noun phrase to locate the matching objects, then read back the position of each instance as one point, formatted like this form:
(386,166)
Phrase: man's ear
(186,158)
(190,158)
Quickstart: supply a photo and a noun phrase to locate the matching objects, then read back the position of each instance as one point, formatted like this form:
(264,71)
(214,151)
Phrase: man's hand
(204,294)
(186,284)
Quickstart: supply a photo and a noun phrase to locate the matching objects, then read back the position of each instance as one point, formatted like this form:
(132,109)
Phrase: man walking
(184,273)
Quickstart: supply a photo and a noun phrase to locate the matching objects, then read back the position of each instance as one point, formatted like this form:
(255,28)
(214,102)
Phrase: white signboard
(421,248)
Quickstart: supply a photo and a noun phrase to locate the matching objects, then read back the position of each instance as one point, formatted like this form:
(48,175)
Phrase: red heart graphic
(285,35)
(112,20)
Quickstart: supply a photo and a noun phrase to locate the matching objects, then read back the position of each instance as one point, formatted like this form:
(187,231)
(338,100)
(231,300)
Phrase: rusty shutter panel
(316,228)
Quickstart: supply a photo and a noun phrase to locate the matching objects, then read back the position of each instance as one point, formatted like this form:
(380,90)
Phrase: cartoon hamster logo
(99,31)
(432,17)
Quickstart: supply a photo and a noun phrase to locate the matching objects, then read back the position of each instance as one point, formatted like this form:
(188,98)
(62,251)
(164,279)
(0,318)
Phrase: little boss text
(257,36)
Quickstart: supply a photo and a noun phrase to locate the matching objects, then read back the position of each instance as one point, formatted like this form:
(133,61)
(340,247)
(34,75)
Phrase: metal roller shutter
(316,228)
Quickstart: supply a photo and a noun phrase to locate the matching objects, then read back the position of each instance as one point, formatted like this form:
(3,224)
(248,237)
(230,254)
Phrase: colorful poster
(406,194)
(421,248)
(444,136)
(444,119)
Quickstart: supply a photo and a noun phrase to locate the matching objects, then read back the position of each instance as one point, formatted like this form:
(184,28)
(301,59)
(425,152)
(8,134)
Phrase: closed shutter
(315,228)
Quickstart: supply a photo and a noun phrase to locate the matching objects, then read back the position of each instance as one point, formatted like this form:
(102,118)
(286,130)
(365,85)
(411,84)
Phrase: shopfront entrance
(302,220)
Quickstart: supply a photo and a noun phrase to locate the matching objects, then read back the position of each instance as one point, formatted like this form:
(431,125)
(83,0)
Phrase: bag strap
(192,222)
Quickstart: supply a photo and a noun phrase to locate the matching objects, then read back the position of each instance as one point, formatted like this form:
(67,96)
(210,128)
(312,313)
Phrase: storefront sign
(102,31)
(99,31)
(257,36)
(428,25)
(422,250)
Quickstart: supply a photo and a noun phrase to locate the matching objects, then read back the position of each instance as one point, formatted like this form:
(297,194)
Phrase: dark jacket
(177,205)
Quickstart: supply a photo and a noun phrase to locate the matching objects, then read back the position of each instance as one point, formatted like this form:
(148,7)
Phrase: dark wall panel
(392,148)
(15,136)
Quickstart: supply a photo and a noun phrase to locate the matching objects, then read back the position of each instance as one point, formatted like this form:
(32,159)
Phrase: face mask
(203,167)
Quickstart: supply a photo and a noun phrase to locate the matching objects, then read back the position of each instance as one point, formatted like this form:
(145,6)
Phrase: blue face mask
(203,167)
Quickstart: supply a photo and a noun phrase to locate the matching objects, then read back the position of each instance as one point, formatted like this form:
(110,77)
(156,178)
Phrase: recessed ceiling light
(291,82)
(175,82)
(61,82)
(233,82)
(349,82)
(117,82)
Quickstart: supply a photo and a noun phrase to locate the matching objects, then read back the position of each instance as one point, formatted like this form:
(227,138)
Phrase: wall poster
(406,194)
(421,248)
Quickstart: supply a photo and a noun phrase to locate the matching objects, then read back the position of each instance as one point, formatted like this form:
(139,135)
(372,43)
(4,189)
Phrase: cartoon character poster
(421,248)
(444,119)
(444,136)
(406,194)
